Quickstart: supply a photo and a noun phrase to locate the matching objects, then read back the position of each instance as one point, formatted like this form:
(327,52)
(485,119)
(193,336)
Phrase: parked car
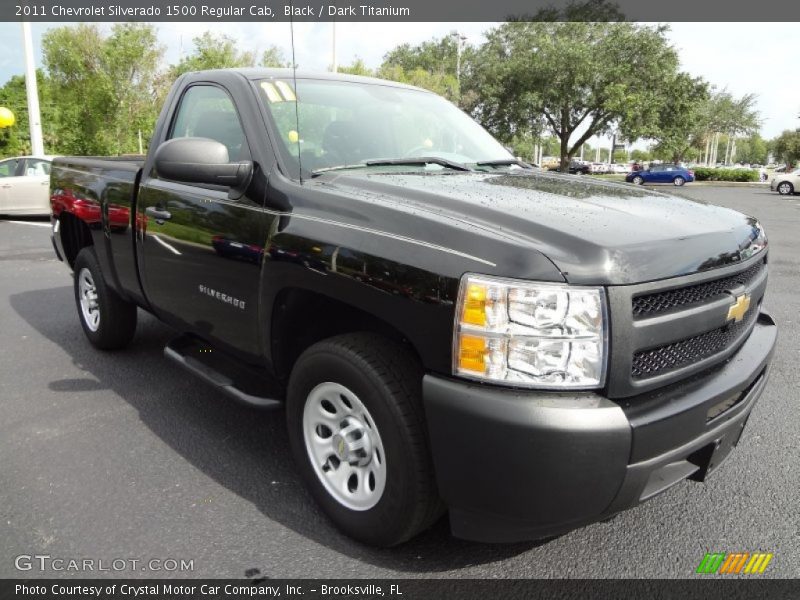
(24,182)
(786,184)
(621,169)
(446,328)
(661,173)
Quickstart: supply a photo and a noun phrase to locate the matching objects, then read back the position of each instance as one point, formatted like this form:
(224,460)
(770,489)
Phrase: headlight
(537,335)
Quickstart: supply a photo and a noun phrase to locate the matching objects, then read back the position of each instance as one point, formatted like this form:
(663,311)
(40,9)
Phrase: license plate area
(710,456)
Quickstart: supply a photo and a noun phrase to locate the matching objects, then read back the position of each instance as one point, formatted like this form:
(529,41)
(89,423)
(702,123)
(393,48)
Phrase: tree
(431,65)
(752,150)
(577,79)
(16,140)
(786,147)
(683,121)
(273,57)
(215,51)
(105,86)
(357,68)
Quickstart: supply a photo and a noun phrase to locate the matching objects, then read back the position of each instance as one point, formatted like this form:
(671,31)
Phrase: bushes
(708,174)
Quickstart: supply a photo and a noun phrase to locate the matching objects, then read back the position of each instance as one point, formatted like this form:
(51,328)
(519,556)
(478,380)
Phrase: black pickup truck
(447,328)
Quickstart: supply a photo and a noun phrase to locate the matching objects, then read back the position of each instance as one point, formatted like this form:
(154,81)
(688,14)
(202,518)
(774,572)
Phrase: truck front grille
(668,330)
(650,305)
(649,363)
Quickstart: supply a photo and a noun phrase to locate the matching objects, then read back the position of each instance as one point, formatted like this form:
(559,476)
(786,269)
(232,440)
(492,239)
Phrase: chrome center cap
(352,444)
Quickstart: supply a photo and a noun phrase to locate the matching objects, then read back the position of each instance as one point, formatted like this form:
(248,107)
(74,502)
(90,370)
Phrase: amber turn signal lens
(472,353)
(474,311)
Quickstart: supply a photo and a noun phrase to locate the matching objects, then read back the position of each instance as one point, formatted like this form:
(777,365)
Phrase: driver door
(202,250)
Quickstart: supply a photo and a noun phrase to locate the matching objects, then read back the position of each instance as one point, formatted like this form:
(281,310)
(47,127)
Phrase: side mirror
(200,160)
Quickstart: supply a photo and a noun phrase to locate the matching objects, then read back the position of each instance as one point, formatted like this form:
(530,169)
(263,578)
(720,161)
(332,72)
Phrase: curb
(754,184)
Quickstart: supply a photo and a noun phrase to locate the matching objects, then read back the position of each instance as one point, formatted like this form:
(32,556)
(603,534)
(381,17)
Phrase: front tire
(357,433)
(108,321)
(638,180)
(785,188)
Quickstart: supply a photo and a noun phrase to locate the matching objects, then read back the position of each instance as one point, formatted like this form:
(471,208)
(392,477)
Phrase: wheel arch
(75,235)
(302,317)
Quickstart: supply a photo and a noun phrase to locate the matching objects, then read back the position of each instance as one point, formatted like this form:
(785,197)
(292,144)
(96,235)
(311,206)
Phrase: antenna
(294,83)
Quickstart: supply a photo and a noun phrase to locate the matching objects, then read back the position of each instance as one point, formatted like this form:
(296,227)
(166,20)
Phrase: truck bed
(101,191)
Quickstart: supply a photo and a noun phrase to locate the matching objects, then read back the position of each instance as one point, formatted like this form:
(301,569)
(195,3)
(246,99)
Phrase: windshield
(342,123)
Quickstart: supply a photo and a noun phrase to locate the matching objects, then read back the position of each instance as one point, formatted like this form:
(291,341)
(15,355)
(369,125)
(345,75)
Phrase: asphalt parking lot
(122,455)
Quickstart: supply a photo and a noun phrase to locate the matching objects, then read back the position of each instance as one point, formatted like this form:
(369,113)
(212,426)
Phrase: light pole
(32,91)
(335,66)
(460,40)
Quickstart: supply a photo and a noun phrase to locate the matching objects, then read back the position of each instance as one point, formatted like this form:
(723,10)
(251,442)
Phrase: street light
(460,41)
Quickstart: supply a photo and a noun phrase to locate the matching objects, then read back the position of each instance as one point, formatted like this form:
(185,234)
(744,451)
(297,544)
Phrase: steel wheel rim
(344,446)
(87,294)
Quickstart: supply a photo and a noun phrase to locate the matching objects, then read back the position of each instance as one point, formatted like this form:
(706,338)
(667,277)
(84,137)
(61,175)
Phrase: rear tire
(108,321)
(358,436)
(785,188)
(678,181)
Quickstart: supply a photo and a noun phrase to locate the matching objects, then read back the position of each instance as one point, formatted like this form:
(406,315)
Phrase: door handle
(6,186)
(160,215)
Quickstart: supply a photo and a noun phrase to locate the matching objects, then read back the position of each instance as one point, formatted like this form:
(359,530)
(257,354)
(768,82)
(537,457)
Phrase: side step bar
(225,373)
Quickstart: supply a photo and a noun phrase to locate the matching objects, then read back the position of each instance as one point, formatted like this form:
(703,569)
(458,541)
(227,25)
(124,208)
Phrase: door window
(8,168)
(35,167)
(207,111)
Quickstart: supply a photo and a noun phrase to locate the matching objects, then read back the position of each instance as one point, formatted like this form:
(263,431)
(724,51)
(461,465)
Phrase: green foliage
(752,150)
(641,155)
(16,140)
(440,83)
(708,174)
(430,65)
(106,87)
(682,122)
(273,57)
(214,51)
(786,147)
(357,68)
(572,76)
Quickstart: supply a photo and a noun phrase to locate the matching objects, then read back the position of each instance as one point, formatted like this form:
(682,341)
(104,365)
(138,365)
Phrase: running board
(241,383)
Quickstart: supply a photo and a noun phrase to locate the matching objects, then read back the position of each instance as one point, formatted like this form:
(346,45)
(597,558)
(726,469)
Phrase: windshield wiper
(504,162)
(418,160)
(316,172)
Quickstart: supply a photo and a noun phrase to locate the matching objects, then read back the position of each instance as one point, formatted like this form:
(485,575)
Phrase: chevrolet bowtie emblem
(739,308)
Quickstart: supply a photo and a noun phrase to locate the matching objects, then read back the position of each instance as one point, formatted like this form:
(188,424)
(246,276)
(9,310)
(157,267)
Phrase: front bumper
(516,465)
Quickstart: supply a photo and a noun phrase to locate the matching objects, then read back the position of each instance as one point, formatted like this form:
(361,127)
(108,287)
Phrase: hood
(593,231)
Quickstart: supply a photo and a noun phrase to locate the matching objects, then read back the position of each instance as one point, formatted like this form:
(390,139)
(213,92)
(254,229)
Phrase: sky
(742,57)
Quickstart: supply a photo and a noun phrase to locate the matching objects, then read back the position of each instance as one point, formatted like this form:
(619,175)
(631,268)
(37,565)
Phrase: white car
(25,185)
(621,169)
(786,183)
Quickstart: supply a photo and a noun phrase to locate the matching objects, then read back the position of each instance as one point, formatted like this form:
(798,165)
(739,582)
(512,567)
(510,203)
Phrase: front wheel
(108,321)
(785,188)
(638,180)
(678,181)
(357,433)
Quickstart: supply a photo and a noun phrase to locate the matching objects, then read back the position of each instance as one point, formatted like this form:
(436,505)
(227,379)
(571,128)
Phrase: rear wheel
(678,181)
(785,188)
(638,180)
(108,321)
(357,433)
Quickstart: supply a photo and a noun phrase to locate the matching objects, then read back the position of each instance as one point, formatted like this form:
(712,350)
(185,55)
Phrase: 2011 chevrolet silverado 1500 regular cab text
(447,328)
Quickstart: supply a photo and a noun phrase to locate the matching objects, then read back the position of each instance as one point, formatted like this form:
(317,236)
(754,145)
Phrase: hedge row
(707,174)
